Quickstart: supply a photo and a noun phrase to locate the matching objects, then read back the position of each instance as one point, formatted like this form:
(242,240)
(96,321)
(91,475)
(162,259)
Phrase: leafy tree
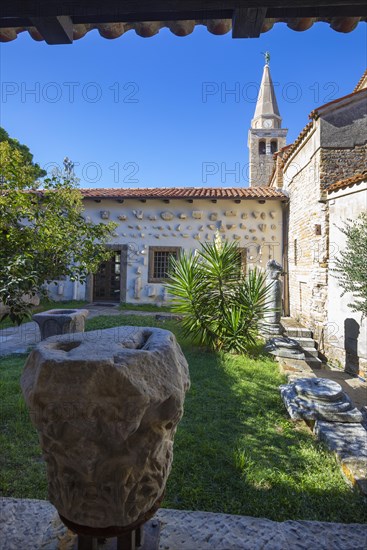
(35,169)
(43,234)
(351,264)
(222,305)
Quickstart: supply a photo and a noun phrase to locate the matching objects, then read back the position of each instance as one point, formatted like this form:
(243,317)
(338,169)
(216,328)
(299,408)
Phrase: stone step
(298,332)
(310,351)
(306,342)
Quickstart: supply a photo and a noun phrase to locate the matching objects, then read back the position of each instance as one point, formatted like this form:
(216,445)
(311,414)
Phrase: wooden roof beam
(247,23)
(55,30)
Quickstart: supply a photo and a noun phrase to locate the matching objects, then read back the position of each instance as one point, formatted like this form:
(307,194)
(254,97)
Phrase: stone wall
(345,337)
(255,225)
(307,234)
(341,163)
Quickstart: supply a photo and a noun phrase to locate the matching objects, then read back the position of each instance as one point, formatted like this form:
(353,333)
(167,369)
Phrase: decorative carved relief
(151,291)
(263,215)
(179,227)
(236,237)
(105,214)
(246,237)
(244,215)
(122,218)
(262,227)
(197,236)
(231,226)
(243,226)
(139,227)
(137,288)
(255,214)
(197,214)
(152,217)
(254,238)
(273,238)
(124,234)
(212,226)
(142,235)
(201,228)
(252,230)
(273,226)
(138,214)
(138,270)
(272,214)
(130,226)
(213,217)
(182,216)
(230,213)
(221,228)
(167,216)
(185,235)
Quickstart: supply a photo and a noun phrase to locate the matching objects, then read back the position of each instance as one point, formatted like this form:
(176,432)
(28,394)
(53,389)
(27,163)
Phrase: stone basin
(106,405)
(60,321)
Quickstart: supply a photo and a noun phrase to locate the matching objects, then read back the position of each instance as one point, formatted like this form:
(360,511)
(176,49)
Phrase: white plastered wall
(180,223)
(344,204)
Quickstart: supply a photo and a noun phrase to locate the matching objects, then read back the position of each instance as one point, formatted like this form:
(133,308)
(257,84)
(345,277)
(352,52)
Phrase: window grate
(159,262)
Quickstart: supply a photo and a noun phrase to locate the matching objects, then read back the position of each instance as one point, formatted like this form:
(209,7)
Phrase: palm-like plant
(222,306)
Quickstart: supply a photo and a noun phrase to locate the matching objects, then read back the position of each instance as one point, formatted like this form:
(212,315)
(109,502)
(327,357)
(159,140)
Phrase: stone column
(271,324)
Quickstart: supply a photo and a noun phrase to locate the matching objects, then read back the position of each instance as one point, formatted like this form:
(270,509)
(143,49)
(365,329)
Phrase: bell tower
(266,136)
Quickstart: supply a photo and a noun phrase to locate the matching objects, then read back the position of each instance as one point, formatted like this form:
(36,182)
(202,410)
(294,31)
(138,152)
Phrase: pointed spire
(266,102)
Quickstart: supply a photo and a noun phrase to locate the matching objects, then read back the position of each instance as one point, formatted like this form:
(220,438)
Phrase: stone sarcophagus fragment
(106,405)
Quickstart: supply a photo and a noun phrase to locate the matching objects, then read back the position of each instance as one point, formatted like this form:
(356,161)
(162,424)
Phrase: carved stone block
(167,216)
(138,214)
(106,405)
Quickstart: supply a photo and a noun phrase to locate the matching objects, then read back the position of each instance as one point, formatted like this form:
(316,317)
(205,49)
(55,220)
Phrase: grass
(235,450)
(144,307)
(43,306)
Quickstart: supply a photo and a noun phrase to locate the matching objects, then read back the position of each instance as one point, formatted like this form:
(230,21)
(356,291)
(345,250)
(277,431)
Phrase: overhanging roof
(236,193)
(62,21)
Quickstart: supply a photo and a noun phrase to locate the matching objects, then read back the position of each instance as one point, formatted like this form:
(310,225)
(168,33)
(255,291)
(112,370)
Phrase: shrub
(222,306)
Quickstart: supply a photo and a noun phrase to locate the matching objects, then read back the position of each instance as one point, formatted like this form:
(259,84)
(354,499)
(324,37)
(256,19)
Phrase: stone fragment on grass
(318,398)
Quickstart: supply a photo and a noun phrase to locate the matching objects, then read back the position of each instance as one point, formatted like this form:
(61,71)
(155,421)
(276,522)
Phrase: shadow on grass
(235,449)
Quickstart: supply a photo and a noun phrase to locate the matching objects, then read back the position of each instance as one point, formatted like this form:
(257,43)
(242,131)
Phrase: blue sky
(135,112)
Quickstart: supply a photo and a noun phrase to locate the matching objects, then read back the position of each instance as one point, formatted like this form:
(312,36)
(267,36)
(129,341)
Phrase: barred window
(159,262)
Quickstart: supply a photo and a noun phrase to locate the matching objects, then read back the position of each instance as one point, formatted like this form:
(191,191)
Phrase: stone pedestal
(106,405)
(271,325)
(60,321)
(318,399)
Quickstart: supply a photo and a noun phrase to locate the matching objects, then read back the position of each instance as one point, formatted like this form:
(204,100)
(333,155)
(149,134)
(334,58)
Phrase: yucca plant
(222,306)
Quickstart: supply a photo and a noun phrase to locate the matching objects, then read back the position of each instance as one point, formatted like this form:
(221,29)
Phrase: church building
(298,195)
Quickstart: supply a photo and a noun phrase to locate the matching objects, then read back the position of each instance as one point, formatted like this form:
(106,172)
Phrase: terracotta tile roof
(316,112)
(341,184)
(185,193)
(288,150)
(182,27)
(361,82)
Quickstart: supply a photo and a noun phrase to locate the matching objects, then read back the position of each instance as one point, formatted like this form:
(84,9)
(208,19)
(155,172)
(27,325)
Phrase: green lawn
(144,307)
(235,449)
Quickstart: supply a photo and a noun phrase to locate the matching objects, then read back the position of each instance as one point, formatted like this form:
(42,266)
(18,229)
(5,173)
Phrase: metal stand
(143,534)
(144,537)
